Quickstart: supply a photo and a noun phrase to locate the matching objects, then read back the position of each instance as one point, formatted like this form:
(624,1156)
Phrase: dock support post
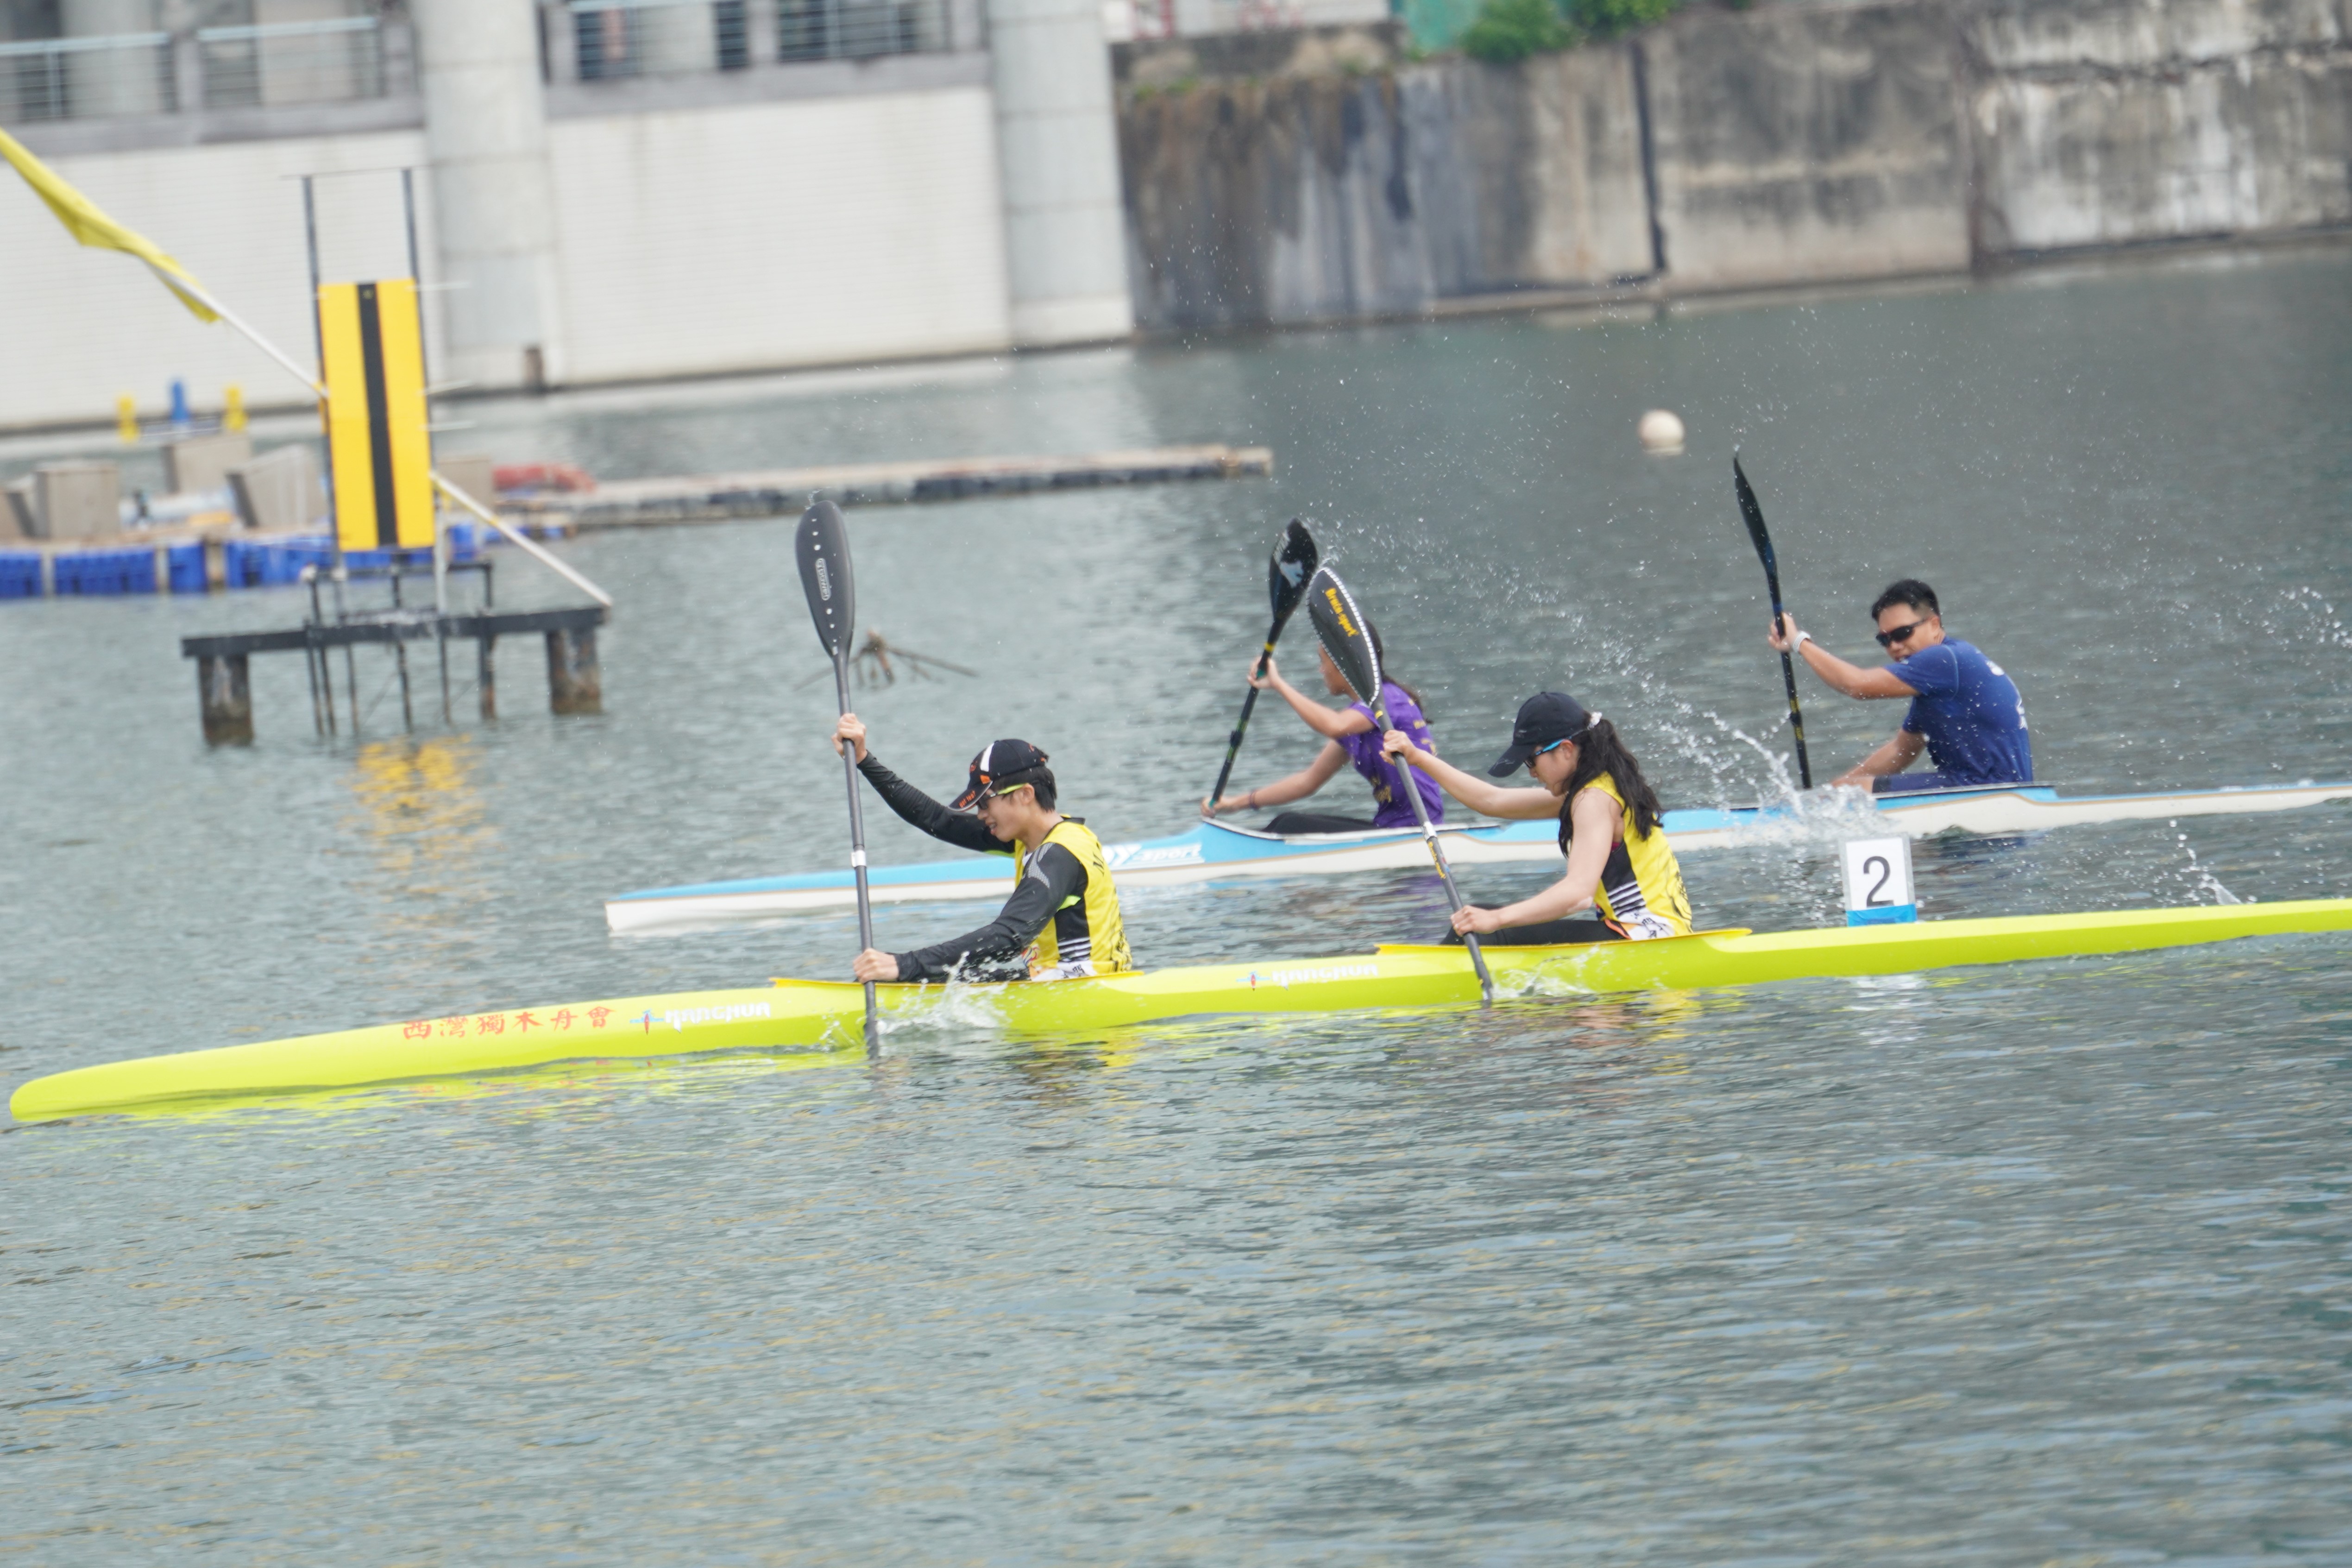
(574,684)
(488,683)
(225,692)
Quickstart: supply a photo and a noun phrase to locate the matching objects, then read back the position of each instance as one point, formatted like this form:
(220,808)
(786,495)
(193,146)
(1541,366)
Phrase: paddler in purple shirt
(1965,711)
(1349,736)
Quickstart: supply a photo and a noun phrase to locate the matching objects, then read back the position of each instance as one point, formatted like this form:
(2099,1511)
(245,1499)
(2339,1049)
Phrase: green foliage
(1511,31)
(1508,31)
(1608,18)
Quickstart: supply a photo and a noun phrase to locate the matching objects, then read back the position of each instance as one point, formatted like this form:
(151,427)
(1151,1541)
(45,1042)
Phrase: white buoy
(1661,433)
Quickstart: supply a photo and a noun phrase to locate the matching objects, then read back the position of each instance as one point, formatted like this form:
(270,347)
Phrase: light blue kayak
(1217,851)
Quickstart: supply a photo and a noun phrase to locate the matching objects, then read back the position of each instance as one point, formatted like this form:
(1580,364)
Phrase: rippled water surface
(2043,1264)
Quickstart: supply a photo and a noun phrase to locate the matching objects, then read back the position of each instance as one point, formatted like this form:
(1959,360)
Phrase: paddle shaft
(1404,771)
(1789,680)
(1233,745)
(1751,511)
(857,850)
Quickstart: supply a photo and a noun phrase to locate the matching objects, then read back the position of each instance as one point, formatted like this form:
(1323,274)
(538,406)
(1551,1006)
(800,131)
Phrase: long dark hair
(1598,751)
(1381,654)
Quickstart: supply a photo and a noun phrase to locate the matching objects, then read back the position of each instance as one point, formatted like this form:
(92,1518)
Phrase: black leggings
(1548,933)
(1291,822)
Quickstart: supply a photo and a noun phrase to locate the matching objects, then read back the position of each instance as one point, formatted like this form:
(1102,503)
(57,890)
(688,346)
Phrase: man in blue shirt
(1965,711)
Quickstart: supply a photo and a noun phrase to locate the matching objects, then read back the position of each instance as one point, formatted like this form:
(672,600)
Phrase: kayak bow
(810,1015)
(1217,850)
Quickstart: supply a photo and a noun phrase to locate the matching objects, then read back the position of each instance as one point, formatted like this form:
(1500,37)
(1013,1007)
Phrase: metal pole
(529,545)
(351,661)
(326,431)
(400,651)
(324,676)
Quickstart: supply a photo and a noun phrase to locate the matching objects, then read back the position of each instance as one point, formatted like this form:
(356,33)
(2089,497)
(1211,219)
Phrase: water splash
(959,1007)
(2198,876)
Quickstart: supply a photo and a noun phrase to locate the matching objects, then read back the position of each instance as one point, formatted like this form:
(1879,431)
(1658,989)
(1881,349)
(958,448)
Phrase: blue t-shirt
(1968,710)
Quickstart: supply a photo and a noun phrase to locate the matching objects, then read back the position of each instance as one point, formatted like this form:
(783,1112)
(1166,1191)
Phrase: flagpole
(182,284)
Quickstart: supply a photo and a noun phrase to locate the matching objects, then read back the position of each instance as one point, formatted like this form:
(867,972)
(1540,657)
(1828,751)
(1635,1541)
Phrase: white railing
(616,39)
(330,61)
(87,78)
(858,29)
(609,40)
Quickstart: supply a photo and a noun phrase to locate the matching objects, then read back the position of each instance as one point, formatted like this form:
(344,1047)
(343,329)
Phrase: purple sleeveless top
(1364,750)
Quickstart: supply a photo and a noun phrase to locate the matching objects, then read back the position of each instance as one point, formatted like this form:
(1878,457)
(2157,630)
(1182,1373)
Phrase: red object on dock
(563,477)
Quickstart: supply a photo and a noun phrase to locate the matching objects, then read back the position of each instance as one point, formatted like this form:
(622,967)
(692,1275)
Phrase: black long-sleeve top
(997,949)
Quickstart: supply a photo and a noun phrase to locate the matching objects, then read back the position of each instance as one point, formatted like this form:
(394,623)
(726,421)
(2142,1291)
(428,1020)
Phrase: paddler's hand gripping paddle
(1294,562)
(1349,643)
(1754,516)
(822,545)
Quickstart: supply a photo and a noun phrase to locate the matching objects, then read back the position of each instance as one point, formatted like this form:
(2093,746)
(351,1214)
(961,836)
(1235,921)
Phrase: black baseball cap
(1000,765)
(1546,717)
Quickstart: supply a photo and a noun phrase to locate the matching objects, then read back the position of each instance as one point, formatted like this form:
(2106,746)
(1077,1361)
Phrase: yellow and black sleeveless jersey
(1063,918)
(1086,935)
(1641,891)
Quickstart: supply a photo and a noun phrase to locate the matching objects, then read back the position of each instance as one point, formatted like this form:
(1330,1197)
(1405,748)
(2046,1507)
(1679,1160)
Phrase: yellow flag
(90,226)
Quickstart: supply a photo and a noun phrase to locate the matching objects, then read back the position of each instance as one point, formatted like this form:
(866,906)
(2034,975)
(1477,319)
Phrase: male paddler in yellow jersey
(1618,862)
(1062,919)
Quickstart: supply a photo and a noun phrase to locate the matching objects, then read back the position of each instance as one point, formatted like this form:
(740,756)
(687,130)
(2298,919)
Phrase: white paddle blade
(823,546)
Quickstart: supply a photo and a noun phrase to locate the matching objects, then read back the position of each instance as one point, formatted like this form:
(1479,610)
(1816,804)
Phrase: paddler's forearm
(920,811)
(1477,793)
(1281,791)
(1057,875)
(1888,760)
(1323,720)
(1558,902)
(1836,673)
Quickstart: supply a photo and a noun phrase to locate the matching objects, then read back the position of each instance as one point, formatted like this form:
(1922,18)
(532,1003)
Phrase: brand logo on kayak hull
(1287,978)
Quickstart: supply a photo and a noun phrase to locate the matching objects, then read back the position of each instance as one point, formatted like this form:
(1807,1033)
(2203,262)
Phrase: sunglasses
(1900,634)
(1539,751)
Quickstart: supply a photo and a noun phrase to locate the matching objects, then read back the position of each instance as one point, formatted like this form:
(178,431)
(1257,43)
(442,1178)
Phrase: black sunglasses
(1900,634)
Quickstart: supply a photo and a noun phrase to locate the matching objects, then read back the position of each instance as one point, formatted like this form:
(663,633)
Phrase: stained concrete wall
(1795,143)
(1322,196)
(2123,122)
(1807,144)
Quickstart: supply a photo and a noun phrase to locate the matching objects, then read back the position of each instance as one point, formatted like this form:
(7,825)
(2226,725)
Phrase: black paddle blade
(822,545)
(1345,636)
(1294,562)
(1753,515)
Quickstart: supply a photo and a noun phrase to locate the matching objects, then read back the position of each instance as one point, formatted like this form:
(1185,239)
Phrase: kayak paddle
(1292,563)
(822,545)
(1754,515)
(1346,638)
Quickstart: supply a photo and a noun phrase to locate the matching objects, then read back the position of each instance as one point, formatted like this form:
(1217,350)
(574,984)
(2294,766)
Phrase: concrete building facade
(606,190)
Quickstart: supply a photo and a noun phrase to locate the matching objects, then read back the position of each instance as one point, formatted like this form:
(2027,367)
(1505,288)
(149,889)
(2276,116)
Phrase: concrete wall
(694,241)
(1312,197)
(2121,121)
(1807,142)
(1793,142)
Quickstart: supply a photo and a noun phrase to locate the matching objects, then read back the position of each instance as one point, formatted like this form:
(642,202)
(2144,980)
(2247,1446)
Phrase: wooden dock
(783,492)
(224,691)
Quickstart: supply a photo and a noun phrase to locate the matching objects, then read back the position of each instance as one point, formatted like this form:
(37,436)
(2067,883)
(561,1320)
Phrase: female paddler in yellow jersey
(1062,919)
(1618,862)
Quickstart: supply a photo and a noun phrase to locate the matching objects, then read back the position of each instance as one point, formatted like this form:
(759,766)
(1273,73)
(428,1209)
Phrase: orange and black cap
(1000,765)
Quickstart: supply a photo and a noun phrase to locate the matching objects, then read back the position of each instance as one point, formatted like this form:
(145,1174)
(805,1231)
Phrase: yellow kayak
(814,1015)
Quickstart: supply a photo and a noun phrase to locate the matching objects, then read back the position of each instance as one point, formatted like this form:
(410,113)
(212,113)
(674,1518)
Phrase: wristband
(1802,638)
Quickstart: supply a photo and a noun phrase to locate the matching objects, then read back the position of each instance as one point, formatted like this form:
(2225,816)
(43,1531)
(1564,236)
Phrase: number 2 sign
(1878,882)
